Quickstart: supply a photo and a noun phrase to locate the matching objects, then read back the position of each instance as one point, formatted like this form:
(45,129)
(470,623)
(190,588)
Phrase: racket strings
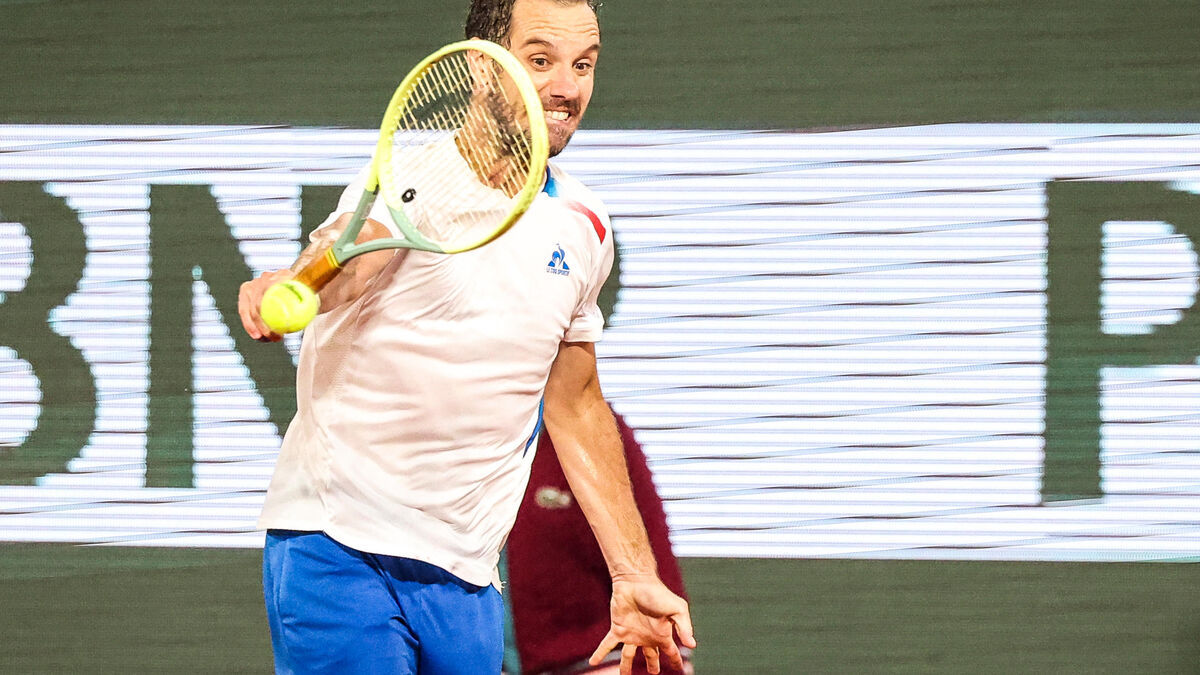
(494,125)
(458,195)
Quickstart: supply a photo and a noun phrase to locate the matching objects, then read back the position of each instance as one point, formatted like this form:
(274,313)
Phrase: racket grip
(318,273)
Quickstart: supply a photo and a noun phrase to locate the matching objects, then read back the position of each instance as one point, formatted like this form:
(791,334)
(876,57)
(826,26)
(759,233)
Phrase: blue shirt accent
(551,187)
(537,428)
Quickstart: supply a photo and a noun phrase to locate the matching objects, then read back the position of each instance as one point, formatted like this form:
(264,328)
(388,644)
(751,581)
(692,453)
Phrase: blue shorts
(333,609)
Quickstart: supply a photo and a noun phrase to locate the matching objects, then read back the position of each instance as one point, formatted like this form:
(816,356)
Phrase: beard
(559,137)
(559,141)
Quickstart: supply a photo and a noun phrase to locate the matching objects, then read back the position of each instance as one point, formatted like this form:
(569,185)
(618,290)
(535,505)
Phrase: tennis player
(421,391)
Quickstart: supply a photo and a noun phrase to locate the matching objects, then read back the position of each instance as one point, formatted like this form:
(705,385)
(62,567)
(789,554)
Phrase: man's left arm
(645,613)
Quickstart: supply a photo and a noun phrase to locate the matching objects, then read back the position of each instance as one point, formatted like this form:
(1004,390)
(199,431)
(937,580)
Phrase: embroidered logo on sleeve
(558,262)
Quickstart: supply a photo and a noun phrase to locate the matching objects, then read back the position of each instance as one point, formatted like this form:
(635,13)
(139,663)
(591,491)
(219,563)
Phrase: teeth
(559,115)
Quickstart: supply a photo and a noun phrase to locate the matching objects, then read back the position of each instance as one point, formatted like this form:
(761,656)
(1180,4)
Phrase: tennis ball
(288,306)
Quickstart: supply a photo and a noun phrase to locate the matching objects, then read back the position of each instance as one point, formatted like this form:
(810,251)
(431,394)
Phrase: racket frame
(325,267)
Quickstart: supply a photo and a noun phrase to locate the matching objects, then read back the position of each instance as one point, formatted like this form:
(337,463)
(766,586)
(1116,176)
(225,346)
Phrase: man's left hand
(646,615)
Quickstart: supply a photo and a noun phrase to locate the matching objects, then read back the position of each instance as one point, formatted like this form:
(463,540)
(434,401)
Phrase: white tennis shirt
(419,404)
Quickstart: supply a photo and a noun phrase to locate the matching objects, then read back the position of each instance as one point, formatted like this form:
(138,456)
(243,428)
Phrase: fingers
(627,654)
(652,665)
(674,656)
(609,643)
(249,299)
(652,655)
(683,627)
(248,311)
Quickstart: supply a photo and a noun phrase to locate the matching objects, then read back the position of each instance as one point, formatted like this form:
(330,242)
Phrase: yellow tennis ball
(288,306)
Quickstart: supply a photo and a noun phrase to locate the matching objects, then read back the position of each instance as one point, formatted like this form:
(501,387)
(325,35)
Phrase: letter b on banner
(1077,349)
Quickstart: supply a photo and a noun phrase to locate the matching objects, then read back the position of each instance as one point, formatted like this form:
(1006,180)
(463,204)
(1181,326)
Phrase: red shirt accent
(596,224)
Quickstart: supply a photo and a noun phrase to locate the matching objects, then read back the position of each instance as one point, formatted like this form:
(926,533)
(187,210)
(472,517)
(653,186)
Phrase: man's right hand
(250,299)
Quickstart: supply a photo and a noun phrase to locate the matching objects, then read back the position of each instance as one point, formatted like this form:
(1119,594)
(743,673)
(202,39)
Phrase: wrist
(635,576)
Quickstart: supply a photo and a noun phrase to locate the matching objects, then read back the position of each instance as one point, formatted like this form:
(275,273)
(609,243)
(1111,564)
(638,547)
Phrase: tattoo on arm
(358,272)
(319,241)
(309,254)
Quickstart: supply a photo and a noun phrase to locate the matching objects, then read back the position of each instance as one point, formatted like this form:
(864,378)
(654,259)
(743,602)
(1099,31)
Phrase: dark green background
(666,64)
(93,610)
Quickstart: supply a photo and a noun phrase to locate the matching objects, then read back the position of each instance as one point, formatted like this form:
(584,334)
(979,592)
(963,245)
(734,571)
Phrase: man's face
(559,46)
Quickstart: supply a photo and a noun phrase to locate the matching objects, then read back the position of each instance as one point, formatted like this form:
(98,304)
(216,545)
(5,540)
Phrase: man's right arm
(346,287)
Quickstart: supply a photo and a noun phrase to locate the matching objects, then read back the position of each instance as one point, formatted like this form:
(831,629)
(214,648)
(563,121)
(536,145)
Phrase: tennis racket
(461,155)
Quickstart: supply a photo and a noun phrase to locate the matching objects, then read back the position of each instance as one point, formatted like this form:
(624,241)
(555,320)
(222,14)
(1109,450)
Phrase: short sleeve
(348,202)
(587,325)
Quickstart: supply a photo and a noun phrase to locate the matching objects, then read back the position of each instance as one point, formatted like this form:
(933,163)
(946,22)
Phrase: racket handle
(318,273)
(289,306)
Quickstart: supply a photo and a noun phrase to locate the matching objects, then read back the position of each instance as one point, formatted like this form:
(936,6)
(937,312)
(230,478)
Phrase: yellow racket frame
(321,270)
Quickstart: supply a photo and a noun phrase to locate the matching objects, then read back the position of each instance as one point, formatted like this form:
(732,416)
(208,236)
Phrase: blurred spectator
(558,585)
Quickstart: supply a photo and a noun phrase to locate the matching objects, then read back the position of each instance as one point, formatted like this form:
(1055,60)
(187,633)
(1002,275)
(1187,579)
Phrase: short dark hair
(492,19)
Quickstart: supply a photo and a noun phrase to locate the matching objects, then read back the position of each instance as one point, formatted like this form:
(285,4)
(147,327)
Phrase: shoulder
(578,197)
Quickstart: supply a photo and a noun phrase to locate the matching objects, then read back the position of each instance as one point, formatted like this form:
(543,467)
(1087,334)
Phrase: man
(401,474)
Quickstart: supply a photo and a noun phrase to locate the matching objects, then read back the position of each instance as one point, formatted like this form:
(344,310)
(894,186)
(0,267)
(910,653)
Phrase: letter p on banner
(1077,347)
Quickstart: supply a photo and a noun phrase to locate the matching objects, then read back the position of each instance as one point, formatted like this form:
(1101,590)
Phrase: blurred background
(904,317)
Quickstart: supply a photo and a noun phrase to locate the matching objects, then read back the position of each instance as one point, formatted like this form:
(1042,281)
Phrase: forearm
(592,457)
(644,612)
(352,279)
